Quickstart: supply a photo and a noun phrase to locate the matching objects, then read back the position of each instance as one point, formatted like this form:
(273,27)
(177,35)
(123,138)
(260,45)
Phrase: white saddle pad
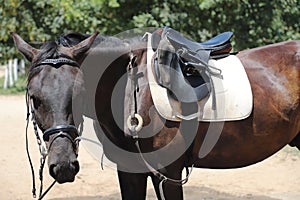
(234,99)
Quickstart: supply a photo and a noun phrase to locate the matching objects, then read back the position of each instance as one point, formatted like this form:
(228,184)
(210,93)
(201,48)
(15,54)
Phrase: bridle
(65,130)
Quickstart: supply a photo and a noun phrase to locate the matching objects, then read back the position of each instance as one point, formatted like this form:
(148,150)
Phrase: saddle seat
(217,45)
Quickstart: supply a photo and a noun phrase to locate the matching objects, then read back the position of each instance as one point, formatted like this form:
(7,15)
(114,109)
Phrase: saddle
(181,65)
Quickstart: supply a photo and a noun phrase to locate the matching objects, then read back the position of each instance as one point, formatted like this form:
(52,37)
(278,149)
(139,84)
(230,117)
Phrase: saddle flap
(172,74)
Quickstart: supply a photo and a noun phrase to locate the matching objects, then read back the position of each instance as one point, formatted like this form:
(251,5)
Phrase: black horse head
(55,82)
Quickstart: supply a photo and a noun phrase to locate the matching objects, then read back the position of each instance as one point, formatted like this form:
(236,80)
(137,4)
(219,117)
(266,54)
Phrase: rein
(42,149)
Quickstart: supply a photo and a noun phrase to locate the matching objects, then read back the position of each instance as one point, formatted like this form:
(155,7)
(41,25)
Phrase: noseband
(68,131)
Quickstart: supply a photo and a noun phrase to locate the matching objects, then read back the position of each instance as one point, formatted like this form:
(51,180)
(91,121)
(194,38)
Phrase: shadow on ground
(191,193)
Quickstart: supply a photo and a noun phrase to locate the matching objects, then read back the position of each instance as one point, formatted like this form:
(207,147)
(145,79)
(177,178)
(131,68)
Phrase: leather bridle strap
(62,129)
(68,131)
(58,62)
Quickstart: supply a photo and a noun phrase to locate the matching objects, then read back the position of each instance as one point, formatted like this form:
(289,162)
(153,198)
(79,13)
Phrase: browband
(58,62)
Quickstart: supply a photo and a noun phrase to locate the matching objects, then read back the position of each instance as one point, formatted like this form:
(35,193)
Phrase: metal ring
(135,128)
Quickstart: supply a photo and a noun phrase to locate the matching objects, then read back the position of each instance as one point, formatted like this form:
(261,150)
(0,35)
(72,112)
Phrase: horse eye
(36,102)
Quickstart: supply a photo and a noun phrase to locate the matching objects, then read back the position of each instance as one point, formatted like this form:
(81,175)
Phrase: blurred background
(254,22)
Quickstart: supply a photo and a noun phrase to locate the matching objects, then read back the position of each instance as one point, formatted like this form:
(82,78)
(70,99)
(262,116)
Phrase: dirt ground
(275,178)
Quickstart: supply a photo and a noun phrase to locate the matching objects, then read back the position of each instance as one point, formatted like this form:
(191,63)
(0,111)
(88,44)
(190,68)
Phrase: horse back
(274,74)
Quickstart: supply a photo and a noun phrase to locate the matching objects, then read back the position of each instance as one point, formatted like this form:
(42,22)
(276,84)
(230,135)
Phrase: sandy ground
(275,178)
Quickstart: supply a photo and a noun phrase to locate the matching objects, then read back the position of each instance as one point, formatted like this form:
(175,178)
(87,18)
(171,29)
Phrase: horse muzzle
(62,160)
(65,171)
(62,152)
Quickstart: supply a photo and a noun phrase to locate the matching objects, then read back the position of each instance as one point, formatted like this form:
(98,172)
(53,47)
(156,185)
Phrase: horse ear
(79,50)
(28,51)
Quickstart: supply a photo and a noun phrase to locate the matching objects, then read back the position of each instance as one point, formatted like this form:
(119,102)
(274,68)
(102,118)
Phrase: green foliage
(254,22)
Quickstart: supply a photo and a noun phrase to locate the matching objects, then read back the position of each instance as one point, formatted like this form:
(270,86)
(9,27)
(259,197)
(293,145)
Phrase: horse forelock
(71,39)
(50,50)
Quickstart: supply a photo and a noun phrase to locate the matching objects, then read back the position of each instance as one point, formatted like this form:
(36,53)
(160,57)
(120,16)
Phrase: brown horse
(274,74)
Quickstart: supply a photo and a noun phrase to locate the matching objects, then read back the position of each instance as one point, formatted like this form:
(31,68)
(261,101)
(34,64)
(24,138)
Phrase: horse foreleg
(170,191)
(133,185)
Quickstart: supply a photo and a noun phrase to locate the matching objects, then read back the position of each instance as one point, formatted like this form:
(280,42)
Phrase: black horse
(55,81)
(62,88)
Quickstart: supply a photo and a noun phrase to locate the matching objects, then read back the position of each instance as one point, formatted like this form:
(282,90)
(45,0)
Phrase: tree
(254,22)
(38,21)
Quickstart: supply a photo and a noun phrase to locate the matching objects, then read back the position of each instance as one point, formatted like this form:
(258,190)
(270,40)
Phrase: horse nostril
(53,170)
(75,166)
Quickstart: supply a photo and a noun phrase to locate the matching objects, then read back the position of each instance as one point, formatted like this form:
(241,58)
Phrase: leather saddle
(181,65)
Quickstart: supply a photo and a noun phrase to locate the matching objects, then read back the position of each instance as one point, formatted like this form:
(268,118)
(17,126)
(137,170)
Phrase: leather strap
(58,62)
(70,129)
